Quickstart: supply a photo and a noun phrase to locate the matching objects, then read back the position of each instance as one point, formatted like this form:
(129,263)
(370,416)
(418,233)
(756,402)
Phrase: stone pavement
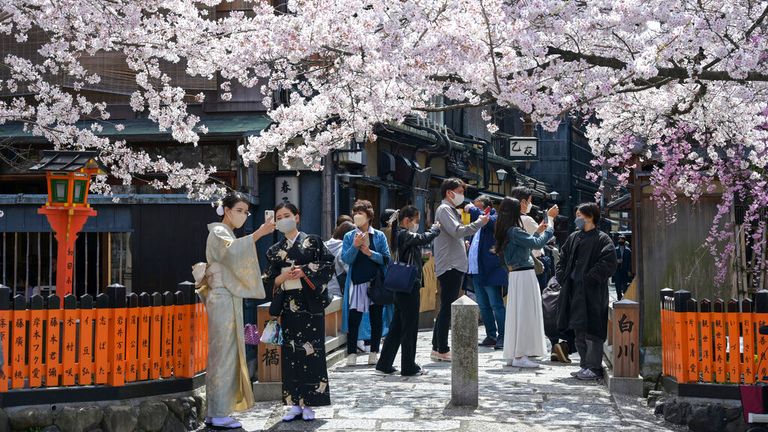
(511,399)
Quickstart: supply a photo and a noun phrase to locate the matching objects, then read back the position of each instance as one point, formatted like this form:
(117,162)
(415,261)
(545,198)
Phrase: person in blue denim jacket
(524,324)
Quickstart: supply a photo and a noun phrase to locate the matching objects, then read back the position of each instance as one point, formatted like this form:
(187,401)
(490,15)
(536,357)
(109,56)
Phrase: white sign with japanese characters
(523,147)
(287,189)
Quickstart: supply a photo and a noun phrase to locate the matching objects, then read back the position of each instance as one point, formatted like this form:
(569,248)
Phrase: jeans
(590,350)
(492,309)
(403,331)
(377,327)
(450,284)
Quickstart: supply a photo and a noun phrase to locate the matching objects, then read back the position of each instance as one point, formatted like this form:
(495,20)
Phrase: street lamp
(554,196)
(501,174)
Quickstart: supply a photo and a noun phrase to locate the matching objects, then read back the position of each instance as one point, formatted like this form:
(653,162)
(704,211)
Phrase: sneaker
(587,375)
(292,414)
(575,374)
(307,414)
(373,358)
(351,359)
(438,357)
(524,362)
(362,348)
(225,423)
(560,353)
(488,342)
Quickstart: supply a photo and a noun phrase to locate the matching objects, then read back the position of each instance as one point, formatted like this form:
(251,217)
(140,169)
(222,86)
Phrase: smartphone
(487,210)
(269,214)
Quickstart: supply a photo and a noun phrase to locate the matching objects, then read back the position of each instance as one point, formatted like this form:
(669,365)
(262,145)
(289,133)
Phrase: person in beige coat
(232,274)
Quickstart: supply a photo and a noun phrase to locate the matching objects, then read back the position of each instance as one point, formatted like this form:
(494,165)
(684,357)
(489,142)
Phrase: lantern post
(68,178)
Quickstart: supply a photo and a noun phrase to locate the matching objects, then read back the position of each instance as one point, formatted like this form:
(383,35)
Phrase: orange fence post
(101,343)
(692,330)
(116,293)
(720,355)
(145,317)
(19,369)
(666,296)
(155,346)
(705,317)
(168,309)
(180,334)
(6,320)
(53,336)
(87,340)
(69,341)
(681,345)
(36,341)
(748,336)
(132,338)
(734,342)
(198,334)
(185,360)
(761,319)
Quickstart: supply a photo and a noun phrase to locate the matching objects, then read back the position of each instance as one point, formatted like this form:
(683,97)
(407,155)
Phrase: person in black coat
(623,275)
(404,329)
(587,261)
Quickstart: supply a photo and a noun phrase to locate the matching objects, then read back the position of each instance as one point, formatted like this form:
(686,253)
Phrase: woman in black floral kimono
(300,267)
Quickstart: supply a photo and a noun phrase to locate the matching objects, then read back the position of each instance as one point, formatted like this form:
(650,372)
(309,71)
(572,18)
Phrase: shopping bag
(272,333)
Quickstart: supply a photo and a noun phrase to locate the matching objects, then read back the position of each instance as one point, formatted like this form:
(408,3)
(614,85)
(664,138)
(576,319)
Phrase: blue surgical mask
(580,223)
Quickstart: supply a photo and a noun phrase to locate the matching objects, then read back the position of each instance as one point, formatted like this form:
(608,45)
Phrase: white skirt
(524,325)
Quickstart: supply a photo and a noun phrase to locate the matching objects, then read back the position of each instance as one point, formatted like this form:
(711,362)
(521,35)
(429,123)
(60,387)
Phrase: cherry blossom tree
(681,83)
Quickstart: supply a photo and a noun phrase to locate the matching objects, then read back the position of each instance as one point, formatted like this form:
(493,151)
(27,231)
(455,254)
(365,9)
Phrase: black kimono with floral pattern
(302,312)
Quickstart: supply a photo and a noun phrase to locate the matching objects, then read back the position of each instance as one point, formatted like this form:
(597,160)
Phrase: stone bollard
(464,373)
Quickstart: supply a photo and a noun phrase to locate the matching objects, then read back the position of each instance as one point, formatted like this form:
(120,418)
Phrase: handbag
(376,291)
(252,336)
(401,277)
(538,266)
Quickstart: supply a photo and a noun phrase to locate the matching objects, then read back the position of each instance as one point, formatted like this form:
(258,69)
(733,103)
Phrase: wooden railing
(111,340)
(714,341)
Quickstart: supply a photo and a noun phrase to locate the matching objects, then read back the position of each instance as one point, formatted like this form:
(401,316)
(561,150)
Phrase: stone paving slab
(510,399)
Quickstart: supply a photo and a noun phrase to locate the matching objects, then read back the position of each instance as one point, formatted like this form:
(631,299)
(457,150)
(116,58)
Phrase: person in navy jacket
(489,276)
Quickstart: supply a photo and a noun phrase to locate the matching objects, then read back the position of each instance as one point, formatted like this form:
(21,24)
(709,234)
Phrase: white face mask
(360,220)
(525,209)
(286,225)
(238,219)
(414,227)
(458,199)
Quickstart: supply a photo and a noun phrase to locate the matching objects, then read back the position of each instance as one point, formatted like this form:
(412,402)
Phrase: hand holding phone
(487,210)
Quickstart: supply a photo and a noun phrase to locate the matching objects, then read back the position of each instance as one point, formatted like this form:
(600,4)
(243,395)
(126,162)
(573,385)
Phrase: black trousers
(377,327)
(403,331)
(450,284)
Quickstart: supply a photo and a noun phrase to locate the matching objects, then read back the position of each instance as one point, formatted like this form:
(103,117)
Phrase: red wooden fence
(113,339)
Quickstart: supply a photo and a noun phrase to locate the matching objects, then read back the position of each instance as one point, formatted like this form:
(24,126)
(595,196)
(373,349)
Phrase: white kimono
(233,274)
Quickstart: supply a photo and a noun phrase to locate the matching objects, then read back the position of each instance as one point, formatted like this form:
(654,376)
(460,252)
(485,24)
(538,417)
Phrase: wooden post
(748,336)
(626,339)
(53,336)
(87,342)
(5,333)
(36,341)
(720,353)
(132,338)
(116,293)
(145,318)
(705,317)
(19,367)
(69,340)
(167,349)
(270,356)
(761,319)
(734,345)
(101,344)
(155,346)
(692,324)
(681,336)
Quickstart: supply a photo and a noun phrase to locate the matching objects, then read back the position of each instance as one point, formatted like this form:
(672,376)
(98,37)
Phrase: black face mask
(621,243)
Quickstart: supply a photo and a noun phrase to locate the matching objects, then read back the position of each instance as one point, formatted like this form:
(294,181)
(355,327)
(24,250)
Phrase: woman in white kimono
(232,275)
